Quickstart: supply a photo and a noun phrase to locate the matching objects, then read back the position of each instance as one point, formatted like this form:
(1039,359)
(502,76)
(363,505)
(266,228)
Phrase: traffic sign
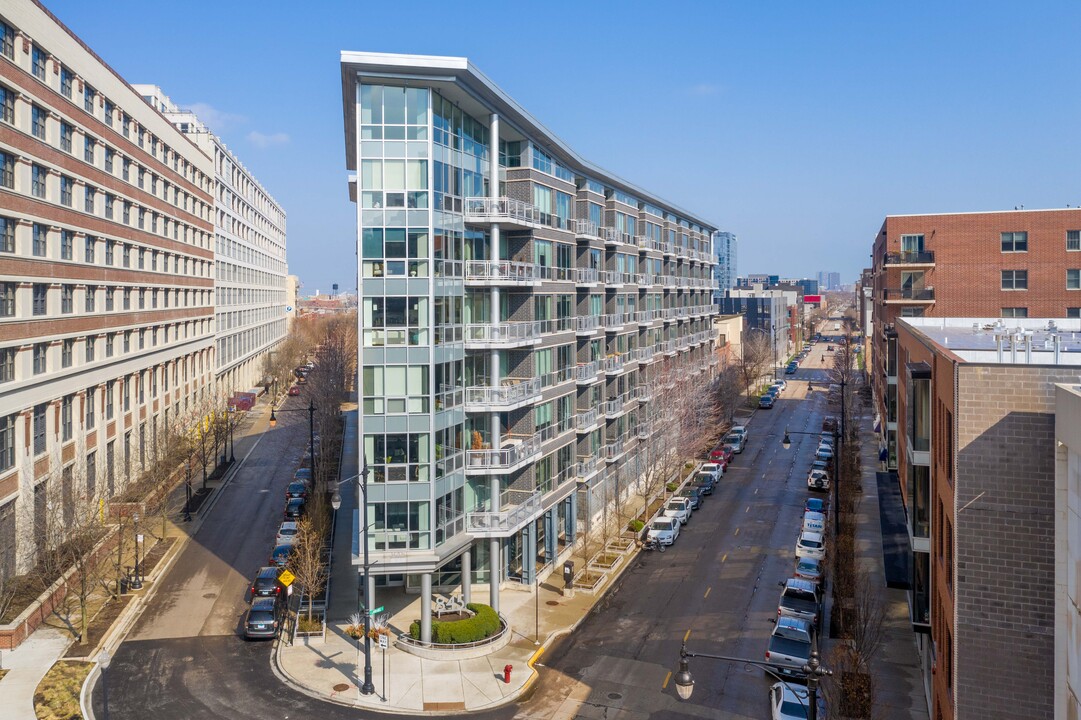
(384,642)
(286,578)
(376,611)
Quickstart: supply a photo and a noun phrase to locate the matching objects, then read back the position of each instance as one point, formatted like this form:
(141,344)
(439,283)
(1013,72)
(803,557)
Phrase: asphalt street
(184,658)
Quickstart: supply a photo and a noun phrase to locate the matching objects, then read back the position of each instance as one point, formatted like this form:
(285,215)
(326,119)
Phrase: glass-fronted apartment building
(518,306)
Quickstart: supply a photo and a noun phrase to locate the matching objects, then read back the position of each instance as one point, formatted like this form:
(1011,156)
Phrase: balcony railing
(509,396)
(614,321)
(586,420)
(915,257)
(587,323)
(585,229)
(516,450)
(503,209)
(613,407)
(586,276)
(501,272)
(587,372)
(502,334)
(615,277)
(613,450)
(613,363)
(642,393)
(588,466)
(518,509)
(642,354)
(614,237)
(909,294)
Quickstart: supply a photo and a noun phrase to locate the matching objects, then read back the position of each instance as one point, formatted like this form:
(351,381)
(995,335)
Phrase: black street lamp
(103,661)
(368,688)
(136,581)
(810,673)
(231,419)
(311,432)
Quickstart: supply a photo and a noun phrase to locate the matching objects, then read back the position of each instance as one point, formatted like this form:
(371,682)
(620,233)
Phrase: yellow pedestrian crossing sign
(287,578)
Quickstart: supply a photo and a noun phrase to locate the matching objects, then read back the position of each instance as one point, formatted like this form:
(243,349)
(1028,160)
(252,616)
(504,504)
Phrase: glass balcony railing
(587,323)
(585,229)
(516,509)
(503,209)
(911,257)
(507,333)
(926,294)
(586,420)
(587,372)
(501,272)
(588,466)
(514,392)
(515,451)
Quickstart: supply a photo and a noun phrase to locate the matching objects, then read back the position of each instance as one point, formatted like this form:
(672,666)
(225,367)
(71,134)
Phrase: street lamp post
(136,581)
(232,438)
(311,432)
(103,661)
(187,491)
(368,688)
(812,672)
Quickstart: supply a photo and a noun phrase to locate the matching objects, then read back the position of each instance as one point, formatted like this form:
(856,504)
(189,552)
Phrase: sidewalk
(899,691)
(27,665)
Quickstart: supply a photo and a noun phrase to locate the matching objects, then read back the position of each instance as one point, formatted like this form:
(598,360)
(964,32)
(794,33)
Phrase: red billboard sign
(812,298)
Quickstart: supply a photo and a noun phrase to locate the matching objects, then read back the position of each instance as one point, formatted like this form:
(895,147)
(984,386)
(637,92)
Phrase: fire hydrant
(506,673)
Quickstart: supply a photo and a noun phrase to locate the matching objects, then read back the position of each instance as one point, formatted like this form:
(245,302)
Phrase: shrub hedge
(484,623)
(635,525)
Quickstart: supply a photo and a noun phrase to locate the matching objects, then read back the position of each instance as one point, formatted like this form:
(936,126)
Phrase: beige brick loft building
(517,306)
(106,275)
(249,257)
(976,457)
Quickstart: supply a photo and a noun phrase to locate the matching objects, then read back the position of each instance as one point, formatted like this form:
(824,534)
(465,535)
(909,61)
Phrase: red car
(722,455)
(294,390)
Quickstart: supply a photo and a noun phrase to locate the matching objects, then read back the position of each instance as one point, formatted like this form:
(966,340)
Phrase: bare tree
(757,356)
(306,560)
(727,391)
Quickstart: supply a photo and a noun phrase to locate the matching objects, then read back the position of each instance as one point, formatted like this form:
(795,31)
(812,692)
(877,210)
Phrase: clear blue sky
(796,125)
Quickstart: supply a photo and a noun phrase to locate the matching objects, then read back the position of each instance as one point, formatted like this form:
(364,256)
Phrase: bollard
(506,673)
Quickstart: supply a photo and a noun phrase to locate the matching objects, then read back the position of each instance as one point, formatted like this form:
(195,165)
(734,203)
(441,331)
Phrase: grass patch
(100,625)
(57,695)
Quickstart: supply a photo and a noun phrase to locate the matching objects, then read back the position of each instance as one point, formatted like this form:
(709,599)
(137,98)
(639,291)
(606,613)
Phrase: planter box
(590,582)
(620,545)
(605,564)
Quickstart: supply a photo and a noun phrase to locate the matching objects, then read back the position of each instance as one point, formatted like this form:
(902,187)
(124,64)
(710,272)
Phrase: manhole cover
(551,602)
(615,696)
(341,687)
(210,596)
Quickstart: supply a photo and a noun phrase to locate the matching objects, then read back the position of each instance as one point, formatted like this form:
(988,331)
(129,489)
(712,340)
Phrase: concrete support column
(495,573)
(572,518)
(467,575)
(426,607)
(529,552)
(550,530)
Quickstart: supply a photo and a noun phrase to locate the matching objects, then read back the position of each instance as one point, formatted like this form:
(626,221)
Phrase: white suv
(678,508)
(663,531)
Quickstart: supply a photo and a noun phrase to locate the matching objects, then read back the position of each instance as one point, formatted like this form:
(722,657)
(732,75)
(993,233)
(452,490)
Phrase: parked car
(818,480)
(714,469)
(825,453)
(800,600)
(695,494)
(741,430)
(296,489)
(782,383)
(809,569)
(294,508)
(790,368)
(678,508)
(663,531)
(826,438)
(287,533)
(303,474)
(294,390)
(266,583)
(279,557)
(765,402)
(736,441)
(706,482)
(814,522)
(786,704)
(790,646)
(722,456)
(811,545)
(262,619)
(816,504)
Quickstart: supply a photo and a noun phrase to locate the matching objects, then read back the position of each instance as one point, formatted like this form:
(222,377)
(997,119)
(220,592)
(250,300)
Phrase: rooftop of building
(1002,341)
(1019,210)
(480,97)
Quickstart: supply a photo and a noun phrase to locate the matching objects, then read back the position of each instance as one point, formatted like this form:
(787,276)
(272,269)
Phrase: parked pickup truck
(790,646)
(799,600)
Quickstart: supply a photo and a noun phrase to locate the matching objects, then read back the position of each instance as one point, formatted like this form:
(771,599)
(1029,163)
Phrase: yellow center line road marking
(707,592)
(725,557)
(737,531)
(666,679)
(748,509)
(686,635)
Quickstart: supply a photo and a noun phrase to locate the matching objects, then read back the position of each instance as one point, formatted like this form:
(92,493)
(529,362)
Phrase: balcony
(921,257)
(511,395)
(644,430)
(642,354)
(586,373)
(587,420)
(588,466)
(909,295)
(615,237)
(516,451)
(479,273)
(479,336)
(613,408)
(642,393)
(613,363)
(613,450)
(668,247)
(615,321)
(585,230)
(517,509)
(586,276)
(587,324)
(614,278)
(505,211)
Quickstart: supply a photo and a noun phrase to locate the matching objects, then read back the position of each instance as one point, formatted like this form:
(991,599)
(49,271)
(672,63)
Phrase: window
(7,234)
(41,240)
(7,442)
(126,256)
(1015,312)
(67,245)
(109,392)
(1074,312)
(127,302)
(109,108)
(41,351)
(7,104)
(90,413)
(125,394)
(1015,279)
(109,155)
(88,98)
(89,148)
(1073,279)
(41,294)
(91,292)
(67,299)
(38,174)
(67,132)
(39,427)
(37,122)
(37,60)
(91,472)
(67,350)
(109,206)
(7,299)
(125,124)
(88,252)
(66,77)
(91,197)
(65,190)
(7,364)
(110,343)
(110,252)
(90,350)
(1015,241)
(126,169)
(7,49)
(66,405)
